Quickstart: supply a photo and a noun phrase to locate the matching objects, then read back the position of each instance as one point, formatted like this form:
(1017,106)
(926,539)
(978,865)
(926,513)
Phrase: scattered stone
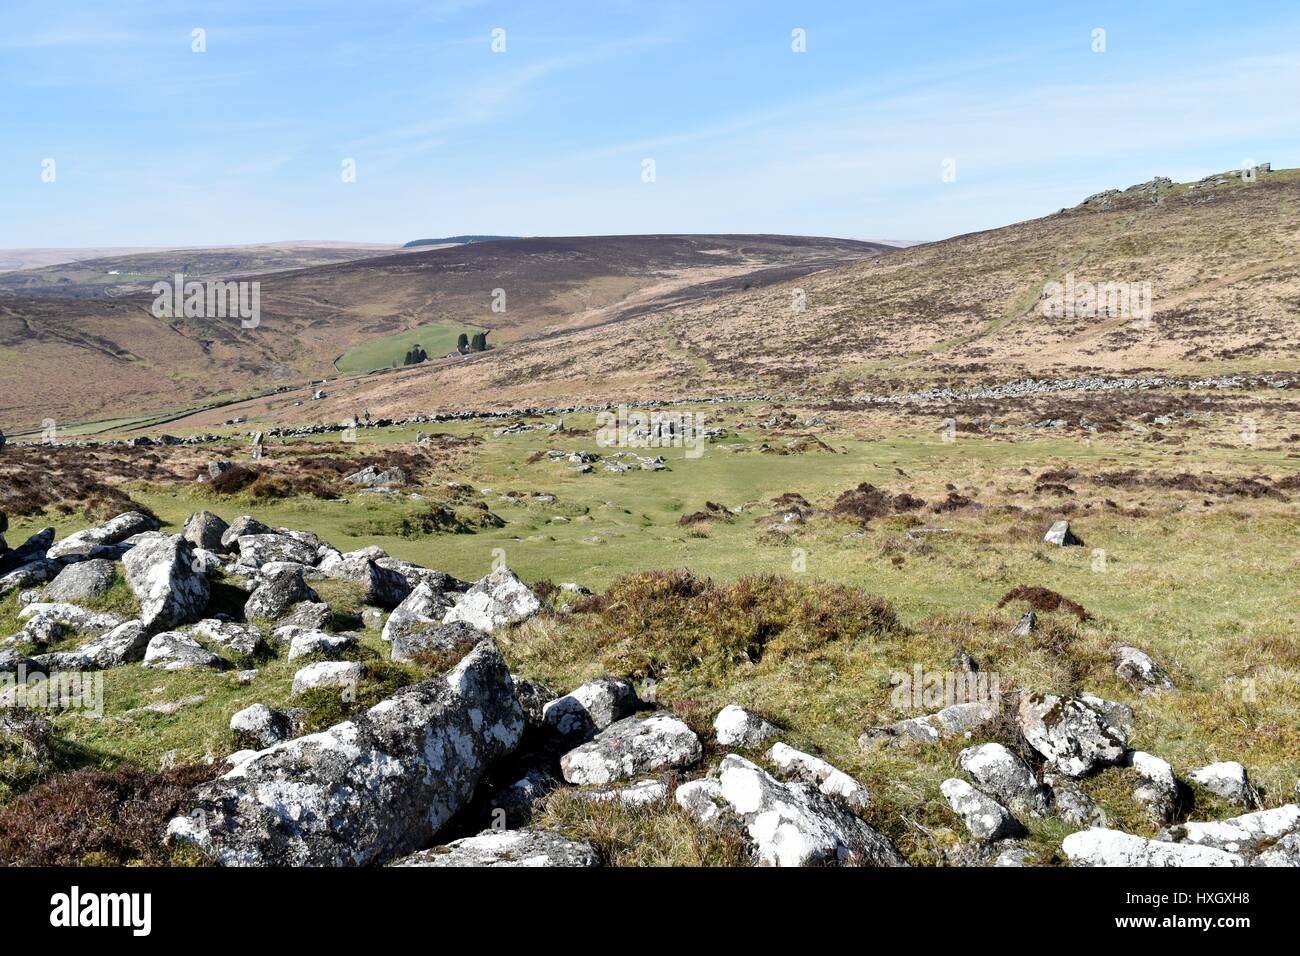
(262,726)
(48,623)
(281,587)
(507,848)
(369,789)
(173,651)
(737,727)
(1003,775)
(241,638)
(113,531)
(241,526)
(984,817)
(497,600)
(1115,848)
(204,530)
(371,477)
(589,709)
(310,643)
(1159,791)
(958,720)
(1227,779)
(533,698)
(124,644)
(1248,834)
(640,794)
(257,550)
(1072,804)
(163,575)
(813,770)
(169,707)
(1026,625)
(631,747)
(345,674)
(308,615)
(382,587)
(28,575)
(1136,668)
(409,643)
(1060,534)
(1077,734)
(703,800)
(85,579)
(793,824)
(422,607)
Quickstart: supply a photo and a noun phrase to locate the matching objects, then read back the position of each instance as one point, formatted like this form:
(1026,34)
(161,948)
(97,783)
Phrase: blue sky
(157,145)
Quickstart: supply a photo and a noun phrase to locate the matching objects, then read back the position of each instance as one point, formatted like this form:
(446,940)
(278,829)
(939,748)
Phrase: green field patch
(437,339)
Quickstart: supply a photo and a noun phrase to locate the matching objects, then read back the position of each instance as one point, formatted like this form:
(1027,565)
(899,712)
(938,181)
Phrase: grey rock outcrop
(630,748)
(497,600)
(525,848)
(367,790)
(163,574)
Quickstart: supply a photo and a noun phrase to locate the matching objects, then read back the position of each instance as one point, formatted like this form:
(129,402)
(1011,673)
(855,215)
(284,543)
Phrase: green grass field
(437,339)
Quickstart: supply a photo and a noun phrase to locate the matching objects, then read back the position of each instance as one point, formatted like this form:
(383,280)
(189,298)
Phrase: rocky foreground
(387,784)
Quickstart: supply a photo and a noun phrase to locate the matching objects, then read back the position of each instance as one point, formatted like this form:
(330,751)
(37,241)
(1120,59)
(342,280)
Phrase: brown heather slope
(1223,261)
(100,357)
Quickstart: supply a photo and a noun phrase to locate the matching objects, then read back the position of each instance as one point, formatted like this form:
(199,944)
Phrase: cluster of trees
(478,343)
(415,355)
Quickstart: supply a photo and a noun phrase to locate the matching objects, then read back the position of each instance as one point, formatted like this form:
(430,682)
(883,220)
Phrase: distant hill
(453,241)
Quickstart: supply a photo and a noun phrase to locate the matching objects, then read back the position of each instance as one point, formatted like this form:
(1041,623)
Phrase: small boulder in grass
(1136,668)
(345,675)
(737,727)
(984,817)
(1061,535)
(1227,779)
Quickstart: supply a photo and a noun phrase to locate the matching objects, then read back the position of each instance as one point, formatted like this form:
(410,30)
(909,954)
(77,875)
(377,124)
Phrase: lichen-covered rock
(47,623)
(632,747)
(241,526)
(124,644)
(497,600)
(703,800)
(310,643)
(1136,668)
(262,726)
(581,714)
(1285,852)
(639,794)
(1115,848)
(342,674)
(529,848)
(533,698)
(1072,804)
(113,531)
(280,587)
(409,643)
(241,638)
(1227,779)
(422,607)
(173,651)
(163,575)
(85,579)
(1159,791)
(794,824)
(1248,834)
(369,789)
(28,575)
(381,587)
(308,615)
(984,817)
(957,720)
(1004,776)
(813,770)
(256,550)
(1076,734)
(737,727)
(203,529)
